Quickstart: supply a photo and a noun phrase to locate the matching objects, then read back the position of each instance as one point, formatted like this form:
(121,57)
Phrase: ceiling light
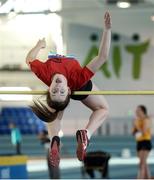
(19,5)
(6,7)
(55,5)
(33,6)
(11,15)
(123,4)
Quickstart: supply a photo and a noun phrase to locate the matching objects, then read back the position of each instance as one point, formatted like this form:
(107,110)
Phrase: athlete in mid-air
(64,75)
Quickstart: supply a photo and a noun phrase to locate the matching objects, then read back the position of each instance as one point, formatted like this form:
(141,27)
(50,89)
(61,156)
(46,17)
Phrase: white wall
(20,33)
(79,44)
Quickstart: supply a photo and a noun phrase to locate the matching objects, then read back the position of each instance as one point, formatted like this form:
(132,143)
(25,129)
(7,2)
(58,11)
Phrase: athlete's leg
(53,128)
(143,154)
(53,131)
(100,110)
(141,172)
(147,171)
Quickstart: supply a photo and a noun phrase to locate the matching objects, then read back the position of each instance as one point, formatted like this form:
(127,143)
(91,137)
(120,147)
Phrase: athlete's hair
(44,113)
(143,109)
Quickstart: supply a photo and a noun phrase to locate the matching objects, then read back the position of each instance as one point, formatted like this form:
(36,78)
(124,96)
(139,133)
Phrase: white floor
(41,165)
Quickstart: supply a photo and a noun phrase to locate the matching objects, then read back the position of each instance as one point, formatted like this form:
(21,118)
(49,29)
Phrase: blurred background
(74,27)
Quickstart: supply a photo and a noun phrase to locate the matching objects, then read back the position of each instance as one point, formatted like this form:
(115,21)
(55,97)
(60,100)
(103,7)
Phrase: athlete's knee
(104,110)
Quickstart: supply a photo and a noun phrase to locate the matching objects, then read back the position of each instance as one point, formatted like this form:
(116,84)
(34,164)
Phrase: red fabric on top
(70,68)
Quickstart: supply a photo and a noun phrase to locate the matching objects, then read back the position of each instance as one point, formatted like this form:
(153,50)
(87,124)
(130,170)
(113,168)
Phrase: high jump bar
(118,92)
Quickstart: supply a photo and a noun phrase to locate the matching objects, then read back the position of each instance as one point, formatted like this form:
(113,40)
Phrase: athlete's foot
(54,154)
(82,140)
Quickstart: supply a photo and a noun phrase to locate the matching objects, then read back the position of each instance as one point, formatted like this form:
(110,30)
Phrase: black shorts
(86,87)
(144,145)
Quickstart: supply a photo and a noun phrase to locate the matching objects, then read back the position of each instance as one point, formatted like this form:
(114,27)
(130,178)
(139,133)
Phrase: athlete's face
(139,112)
(58,88)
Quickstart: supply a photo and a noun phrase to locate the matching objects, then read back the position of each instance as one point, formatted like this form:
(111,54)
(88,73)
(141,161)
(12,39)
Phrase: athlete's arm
(31,56)
(146,125)
(99,60)
(134,128)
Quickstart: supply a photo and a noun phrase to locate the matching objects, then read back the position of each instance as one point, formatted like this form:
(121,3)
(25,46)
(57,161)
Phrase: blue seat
(4,130)
(25,119)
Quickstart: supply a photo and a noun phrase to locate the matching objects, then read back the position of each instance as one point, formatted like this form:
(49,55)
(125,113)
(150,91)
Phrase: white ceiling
(125,21)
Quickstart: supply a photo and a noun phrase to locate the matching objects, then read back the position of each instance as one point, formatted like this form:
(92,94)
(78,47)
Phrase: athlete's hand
(107,20)
(41,43)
